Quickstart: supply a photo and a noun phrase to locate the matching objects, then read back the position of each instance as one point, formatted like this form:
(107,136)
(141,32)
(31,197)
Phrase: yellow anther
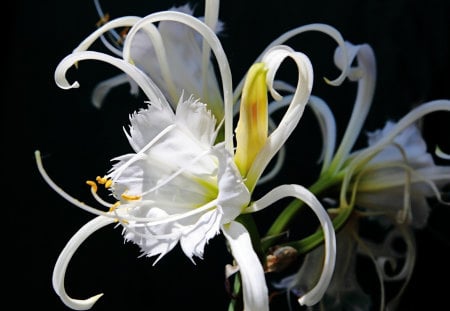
(130,197)
(114,207)
(122,221)
(101,180)
(104,181)
(103,20)
(92,184)
(123,35)
(108,183)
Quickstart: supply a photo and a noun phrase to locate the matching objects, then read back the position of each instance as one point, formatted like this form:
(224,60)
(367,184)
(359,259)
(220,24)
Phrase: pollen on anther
(130,197)
(108,183)
(114,207)
(123,221)
(101,180)
(103,20)
(92,184)
(123,34)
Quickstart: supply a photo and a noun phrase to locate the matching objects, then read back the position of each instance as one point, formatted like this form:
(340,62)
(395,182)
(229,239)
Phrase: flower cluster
(191,174)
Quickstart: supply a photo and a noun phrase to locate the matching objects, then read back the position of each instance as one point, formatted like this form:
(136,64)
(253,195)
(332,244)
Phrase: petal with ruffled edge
(410,139)
(146,124)
(173,160)
(195,238)
(233,195)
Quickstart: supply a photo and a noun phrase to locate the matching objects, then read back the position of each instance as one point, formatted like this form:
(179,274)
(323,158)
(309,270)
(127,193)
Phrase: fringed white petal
(254,287)
(195,117)
(155,240)
(195,238)
(146,124)
(233,194)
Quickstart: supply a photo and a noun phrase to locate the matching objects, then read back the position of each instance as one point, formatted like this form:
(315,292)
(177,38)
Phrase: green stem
(283,220)
(236,291)
(308,243)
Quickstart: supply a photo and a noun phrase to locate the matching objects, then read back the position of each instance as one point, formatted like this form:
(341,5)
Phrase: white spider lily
(391,178)
(179,186)
(397,150)
(175,57)
(396,156)
(398,180)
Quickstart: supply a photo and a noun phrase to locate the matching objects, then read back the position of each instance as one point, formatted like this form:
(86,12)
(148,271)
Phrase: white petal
(254,286)
(64,259)
(194,116)
(365,74)
(194,239)
(301,193)
(154,240)
(149,88)
(233,194)
(288,123)
(146,124)
(211,38)
(172,164)
(324,28)
(327,125)
(102,89)
(410,118)
(410,140)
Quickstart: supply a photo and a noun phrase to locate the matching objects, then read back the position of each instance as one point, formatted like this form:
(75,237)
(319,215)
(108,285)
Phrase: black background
(411,40)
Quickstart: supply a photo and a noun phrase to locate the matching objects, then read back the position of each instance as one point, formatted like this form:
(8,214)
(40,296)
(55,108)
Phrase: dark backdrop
(411,42)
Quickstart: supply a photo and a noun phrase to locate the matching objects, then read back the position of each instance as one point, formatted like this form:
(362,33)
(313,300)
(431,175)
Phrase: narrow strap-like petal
(253,281)
(365,74)
(150,89)
(324,28)
(59,271)
(102,89)
(273,60)
(316,293)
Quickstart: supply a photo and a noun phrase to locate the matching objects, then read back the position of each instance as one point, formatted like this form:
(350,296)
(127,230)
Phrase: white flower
(398,180)
(179,185)
(397,154)
(175,57)
(389,180)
